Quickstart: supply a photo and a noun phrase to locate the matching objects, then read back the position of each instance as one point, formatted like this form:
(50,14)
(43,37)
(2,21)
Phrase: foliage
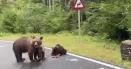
(108,18)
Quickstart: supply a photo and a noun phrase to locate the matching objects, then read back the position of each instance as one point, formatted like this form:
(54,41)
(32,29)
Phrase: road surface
(70,61)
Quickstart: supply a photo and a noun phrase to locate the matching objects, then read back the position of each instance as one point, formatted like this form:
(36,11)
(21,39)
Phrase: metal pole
(49,5)
(79,23)
(64,3)
(53,4)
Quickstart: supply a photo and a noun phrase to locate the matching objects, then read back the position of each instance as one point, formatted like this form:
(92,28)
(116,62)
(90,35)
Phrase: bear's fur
(58,50)
(26,44)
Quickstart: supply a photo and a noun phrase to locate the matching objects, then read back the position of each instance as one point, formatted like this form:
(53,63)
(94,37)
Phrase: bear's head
(36,41)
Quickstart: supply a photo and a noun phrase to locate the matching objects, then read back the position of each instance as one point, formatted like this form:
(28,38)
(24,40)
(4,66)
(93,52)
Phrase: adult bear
(26,44)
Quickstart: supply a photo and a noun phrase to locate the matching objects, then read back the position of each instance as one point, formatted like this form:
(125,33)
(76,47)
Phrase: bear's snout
(35,44)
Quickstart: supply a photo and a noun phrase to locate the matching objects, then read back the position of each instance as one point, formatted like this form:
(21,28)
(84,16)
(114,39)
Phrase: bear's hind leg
(19,57)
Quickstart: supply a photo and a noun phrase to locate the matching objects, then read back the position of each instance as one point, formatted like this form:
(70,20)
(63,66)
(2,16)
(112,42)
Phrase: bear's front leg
(35,55)
(31,56)
(42,55)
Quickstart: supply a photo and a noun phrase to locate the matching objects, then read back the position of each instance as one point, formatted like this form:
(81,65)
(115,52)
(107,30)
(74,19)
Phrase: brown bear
(26,44)
(39,54)
(58,50)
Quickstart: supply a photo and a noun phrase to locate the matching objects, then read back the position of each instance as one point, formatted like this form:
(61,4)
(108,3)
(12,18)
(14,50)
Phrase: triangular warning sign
(78,4)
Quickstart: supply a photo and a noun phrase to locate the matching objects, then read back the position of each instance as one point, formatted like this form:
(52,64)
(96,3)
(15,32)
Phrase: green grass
(93,47)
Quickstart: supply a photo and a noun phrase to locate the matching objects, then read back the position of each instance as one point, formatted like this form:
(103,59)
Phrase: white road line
(101,68)
(92,60)
(89,59)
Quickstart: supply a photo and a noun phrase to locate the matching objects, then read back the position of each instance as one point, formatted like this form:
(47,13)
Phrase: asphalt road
(70,61)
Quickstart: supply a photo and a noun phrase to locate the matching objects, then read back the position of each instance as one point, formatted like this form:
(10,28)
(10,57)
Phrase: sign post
(49,5)
(78,5)
(79,23)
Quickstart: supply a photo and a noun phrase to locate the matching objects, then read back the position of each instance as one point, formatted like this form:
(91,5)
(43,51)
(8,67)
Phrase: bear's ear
(41,38)
(33,37)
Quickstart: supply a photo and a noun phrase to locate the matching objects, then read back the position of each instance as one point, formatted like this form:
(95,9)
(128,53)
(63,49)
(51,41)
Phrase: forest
(109,18)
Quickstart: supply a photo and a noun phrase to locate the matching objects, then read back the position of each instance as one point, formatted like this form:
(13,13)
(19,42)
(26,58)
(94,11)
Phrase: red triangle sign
(78,4)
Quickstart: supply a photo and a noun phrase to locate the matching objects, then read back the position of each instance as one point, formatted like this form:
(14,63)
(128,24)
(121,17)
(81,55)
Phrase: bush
(107,18)
(9,21)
